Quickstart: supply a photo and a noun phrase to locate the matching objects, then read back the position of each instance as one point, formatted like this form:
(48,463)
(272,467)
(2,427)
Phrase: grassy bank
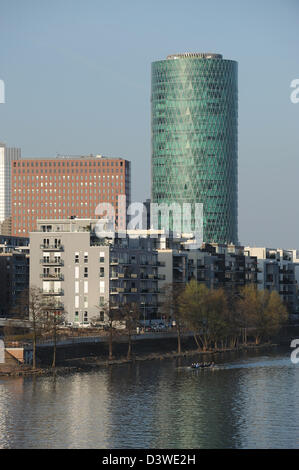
(85,364)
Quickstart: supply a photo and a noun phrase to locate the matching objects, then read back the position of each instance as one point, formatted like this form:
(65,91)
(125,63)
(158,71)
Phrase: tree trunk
(110,344)
(34,346)
(129,347)
(257,340)
(196,341)
(55,345)
(179,340)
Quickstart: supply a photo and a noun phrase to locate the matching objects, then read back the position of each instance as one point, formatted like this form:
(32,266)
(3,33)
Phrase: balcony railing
(52,262)
(52,247)
(53,292)
(57,306)
(52,277)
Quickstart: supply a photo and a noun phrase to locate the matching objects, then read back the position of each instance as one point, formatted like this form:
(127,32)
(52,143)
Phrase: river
(250,400)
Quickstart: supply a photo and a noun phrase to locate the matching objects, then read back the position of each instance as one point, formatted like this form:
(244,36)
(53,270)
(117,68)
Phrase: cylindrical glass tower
(195,138)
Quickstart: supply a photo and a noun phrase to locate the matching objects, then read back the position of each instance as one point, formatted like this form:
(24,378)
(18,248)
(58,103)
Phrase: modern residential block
(14,273)
(84,273)
(215,265)
(276,271)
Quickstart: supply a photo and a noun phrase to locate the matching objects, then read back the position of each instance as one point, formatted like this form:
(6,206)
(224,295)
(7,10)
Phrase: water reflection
(249,401)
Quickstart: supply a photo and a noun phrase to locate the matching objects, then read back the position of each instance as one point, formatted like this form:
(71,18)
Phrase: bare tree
(36,306)
(112,315)
(130,313)
(54,317)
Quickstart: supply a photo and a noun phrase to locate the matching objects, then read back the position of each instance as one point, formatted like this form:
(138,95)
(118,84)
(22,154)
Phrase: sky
(77,81)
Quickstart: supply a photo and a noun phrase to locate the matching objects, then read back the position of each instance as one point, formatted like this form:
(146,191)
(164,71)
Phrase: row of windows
(19,171)
(67,163)
(85,258)
(35,178)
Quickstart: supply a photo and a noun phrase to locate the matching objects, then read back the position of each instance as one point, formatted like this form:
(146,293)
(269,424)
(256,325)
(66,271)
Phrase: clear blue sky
(77,76)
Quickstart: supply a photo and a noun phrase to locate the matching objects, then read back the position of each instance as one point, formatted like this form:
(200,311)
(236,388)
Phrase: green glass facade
(194,102)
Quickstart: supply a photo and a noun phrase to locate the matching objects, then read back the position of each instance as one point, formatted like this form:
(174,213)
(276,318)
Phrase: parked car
(160,327)
(85,325)
(66,325)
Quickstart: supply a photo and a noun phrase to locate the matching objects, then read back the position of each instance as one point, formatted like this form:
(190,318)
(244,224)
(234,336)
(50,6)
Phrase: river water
(251,400)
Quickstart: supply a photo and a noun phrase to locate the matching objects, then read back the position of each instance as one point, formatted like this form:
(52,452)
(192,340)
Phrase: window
(85,272)
(76,257)
(102,272)
(85,257)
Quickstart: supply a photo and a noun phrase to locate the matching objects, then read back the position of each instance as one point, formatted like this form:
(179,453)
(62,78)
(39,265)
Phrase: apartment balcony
(200,266)
(52,262)
(53,292)
(151,291)
(57,306)
(52,247)
(52,277)
(116,261)
(117,290)
(161,264)
(113,291)
(122,276)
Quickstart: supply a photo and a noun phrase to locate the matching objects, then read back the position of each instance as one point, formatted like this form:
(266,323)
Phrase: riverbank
(87,364)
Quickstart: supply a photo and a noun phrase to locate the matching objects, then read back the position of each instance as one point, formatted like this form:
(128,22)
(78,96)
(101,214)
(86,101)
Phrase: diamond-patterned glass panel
(195,140)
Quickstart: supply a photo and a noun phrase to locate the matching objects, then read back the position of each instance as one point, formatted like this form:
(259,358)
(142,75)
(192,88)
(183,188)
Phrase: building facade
(68,186)
(194,113)
(276,271)
(14,273)
(7,155)
(84,273)
(216,266)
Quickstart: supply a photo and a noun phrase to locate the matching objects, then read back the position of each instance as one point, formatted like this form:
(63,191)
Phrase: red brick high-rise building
(56,188)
